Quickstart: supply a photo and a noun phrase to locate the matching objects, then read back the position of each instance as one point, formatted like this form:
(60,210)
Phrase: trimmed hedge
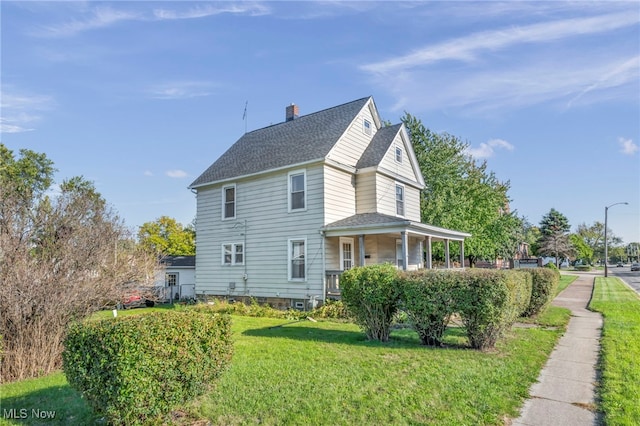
(371,295)
(544,285)
(134,370)
(489,303)
(429,299)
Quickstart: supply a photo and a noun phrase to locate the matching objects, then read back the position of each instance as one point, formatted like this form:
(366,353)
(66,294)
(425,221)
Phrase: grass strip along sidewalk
(619,389)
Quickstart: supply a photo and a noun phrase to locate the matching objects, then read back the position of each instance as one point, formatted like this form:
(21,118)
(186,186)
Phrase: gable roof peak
(303,139)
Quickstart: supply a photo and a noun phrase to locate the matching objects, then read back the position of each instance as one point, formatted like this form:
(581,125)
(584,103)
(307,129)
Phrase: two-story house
(289,207)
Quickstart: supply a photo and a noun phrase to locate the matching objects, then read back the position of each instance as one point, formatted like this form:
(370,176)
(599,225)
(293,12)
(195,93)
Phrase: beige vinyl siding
(386,195)
(382,249)
(339,194)
(350,147)
(264,224)
(386,198)
(332,249)
(412,203)
(366,193)
(390,164)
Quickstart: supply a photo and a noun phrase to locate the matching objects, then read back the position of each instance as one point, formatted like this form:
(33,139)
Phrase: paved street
(625,274)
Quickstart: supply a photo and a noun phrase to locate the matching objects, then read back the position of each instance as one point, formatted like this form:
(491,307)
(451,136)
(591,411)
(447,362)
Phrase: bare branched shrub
(62,257)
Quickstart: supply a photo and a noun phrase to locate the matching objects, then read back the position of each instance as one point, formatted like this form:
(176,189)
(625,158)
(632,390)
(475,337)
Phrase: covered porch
(372,238)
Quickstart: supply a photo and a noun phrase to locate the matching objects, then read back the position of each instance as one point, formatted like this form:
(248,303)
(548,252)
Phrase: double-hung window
(297,260)
(366,126)
(229,202)
(297,190)
(400,200)
(398,154)
(233,254)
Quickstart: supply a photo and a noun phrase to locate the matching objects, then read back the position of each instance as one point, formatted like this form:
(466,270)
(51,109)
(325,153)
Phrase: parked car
(635,266)
(135,300)
(620,265)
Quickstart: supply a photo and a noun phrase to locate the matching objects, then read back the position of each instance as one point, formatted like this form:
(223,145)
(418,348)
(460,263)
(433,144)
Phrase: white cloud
(176,173)
(91,18)
(100,17)
(148,173)
(202,11)
(516,67)
(469,47)
(19,111)
(182,90)
(488,149)
(627,146)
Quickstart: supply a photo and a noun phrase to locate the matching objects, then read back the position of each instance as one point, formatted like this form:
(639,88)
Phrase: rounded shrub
(134,370)
(371,295)
(429,299)
(485,304)
(544,286)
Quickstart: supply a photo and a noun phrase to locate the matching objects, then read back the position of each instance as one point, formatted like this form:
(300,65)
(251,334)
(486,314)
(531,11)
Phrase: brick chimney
(292,112)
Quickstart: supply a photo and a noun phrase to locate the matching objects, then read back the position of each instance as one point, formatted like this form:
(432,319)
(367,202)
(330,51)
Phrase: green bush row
(487,301)
(135,370)
(330,309)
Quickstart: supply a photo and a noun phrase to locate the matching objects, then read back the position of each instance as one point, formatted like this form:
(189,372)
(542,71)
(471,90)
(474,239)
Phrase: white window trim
(353,248)
(366,130)
(404,199)
(395,154)
(399,258)
(166,282)
(224,202)
(233,253)
(293,173)
(289,259)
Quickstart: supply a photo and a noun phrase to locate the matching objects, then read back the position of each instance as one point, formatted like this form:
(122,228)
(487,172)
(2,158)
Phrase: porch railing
(333,284)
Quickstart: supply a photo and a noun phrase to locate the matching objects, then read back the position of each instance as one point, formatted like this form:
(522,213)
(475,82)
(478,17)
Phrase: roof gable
(304,139)
(381,145)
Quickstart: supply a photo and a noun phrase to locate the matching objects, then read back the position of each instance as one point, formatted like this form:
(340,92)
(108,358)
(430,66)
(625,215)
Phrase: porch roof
(378,223)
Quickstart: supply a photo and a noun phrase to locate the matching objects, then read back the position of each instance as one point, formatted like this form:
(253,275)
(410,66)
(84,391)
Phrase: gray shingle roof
(378,147)
(307,138)
(366,219)
(179,261)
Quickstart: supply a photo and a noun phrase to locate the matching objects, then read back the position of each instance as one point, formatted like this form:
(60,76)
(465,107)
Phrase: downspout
(324,270)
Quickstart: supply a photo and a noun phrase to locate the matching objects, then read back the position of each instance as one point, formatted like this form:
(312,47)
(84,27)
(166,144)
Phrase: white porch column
(405,250)
(428,262)
(462,254)
(361,245)
(447,260)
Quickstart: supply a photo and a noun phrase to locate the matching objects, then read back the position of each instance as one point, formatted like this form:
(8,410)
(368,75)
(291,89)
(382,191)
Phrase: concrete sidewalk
(565,391)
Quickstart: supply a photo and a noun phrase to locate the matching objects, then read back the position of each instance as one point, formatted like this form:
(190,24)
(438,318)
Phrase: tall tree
(61,258)
(463,194)
(554,236)
(167,236)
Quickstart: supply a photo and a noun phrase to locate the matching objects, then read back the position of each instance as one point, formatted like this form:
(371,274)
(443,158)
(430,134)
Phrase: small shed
(177,280)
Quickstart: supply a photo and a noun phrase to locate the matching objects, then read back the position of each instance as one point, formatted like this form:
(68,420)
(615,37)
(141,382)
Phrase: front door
(346,253)
(399,255)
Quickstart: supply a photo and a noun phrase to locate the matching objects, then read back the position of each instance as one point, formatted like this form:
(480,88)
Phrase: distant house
(289,207)
(177,280)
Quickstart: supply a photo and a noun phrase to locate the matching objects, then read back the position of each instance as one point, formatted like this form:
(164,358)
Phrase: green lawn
(619,389)
(565,280)
(286,372)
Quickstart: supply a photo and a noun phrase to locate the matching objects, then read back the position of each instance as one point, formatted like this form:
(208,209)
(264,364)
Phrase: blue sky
(141,97)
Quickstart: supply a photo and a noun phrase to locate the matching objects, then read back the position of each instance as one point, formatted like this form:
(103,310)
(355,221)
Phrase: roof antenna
(244,116)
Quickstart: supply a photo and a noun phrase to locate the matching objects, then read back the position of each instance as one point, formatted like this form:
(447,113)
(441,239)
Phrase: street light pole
(606,252)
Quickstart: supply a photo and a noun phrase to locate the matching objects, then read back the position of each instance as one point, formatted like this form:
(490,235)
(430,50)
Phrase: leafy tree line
(461,193)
